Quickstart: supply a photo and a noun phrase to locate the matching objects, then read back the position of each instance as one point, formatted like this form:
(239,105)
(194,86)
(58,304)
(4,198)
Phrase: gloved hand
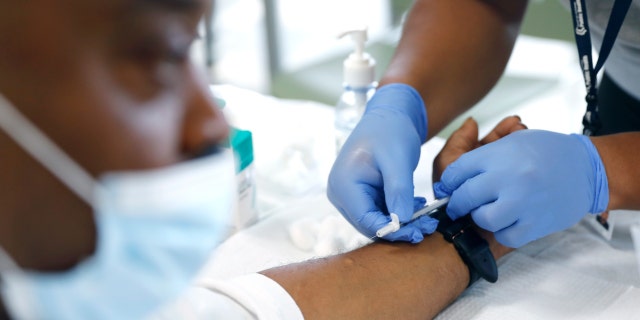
(527,185)
(373,173)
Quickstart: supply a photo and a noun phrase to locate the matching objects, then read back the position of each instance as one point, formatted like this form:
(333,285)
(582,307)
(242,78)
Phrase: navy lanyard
(591,120)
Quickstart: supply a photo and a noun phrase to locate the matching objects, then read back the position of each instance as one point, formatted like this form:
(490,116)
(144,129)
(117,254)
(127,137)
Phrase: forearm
(620,154)
(379,281)
(453,52)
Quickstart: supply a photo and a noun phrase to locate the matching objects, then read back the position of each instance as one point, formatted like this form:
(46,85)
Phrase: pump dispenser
(358,87)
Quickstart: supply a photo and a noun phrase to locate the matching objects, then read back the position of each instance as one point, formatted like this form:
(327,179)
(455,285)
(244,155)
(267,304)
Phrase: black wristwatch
(473,249)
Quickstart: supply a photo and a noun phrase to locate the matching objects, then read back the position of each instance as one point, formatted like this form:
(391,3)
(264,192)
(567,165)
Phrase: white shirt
(251,296)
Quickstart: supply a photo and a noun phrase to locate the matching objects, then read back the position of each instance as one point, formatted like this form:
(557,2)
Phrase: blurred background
(290,49)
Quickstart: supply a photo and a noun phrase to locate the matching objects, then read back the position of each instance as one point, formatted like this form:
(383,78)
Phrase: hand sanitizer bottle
(359,86)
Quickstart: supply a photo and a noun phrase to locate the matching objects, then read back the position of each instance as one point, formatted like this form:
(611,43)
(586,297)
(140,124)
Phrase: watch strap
(473,249)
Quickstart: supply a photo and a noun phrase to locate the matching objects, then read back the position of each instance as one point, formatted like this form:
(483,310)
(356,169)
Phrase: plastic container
(359,86)
(245,214)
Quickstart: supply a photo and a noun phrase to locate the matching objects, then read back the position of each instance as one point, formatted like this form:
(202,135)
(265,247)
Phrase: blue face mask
(155,230)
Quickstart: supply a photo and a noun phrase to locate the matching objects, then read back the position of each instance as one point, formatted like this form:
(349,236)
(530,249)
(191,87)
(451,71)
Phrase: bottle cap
(359,67)
(242,145)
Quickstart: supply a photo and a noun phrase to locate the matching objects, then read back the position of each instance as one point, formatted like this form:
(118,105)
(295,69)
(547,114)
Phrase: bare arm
(380,281)
(453,52)
(390,280)
(620,154)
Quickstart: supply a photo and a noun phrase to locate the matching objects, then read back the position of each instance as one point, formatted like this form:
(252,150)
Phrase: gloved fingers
(414,230)
(398,186)
(354,185)
(466,167)
(370,222)
(366,221)
(542,183)
(399,198)
(472,194)
(464,140)
(357,203)
(418,203)
(494,216)
(439,190)
(426,224)
(373,174)
(396,164)
(408,233)
(514,236)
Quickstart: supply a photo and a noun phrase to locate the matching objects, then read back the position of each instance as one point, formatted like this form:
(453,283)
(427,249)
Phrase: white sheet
(574,274)
(571,274)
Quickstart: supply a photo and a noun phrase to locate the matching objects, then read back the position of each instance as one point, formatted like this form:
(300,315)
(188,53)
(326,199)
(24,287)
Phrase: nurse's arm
(453,52)
(620,154)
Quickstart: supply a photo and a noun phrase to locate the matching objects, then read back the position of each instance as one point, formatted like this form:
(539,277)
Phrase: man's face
(110,82)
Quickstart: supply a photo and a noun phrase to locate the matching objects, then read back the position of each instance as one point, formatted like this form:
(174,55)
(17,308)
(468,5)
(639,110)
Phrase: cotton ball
(304,233)
(341,227)
(356,241)
(329,240)
(349,237)
(326,247)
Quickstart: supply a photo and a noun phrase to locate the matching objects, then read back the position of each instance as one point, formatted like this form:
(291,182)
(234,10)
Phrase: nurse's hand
(526,185)
(465,139)
(373,173)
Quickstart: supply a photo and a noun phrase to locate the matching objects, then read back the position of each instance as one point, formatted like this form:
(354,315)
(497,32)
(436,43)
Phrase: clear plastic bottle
(349,110)
(359,86)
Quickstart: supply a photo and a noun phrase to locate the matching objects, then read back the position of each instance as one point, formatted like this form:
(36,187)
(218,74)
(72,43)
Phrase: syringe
(394,225)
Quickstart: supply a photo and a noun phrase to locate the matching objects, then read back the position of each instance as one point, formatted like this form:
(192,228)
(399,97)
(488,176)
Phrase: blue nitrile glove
(527,185)
(373,174)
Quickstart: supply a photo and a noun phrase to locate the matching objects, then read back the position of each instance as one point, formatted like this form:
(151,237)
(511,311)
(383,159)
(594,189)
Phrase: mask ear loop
(46,152)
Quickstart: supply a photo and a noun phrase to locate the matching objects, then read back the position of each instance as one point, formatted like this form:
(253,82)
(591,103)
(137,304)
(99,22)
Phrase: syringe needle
(394,225)
(429,208)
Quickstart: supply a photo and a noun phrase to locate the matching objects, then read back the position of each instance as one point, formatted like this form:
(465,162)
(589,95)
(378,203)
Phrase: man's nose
(204,122)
